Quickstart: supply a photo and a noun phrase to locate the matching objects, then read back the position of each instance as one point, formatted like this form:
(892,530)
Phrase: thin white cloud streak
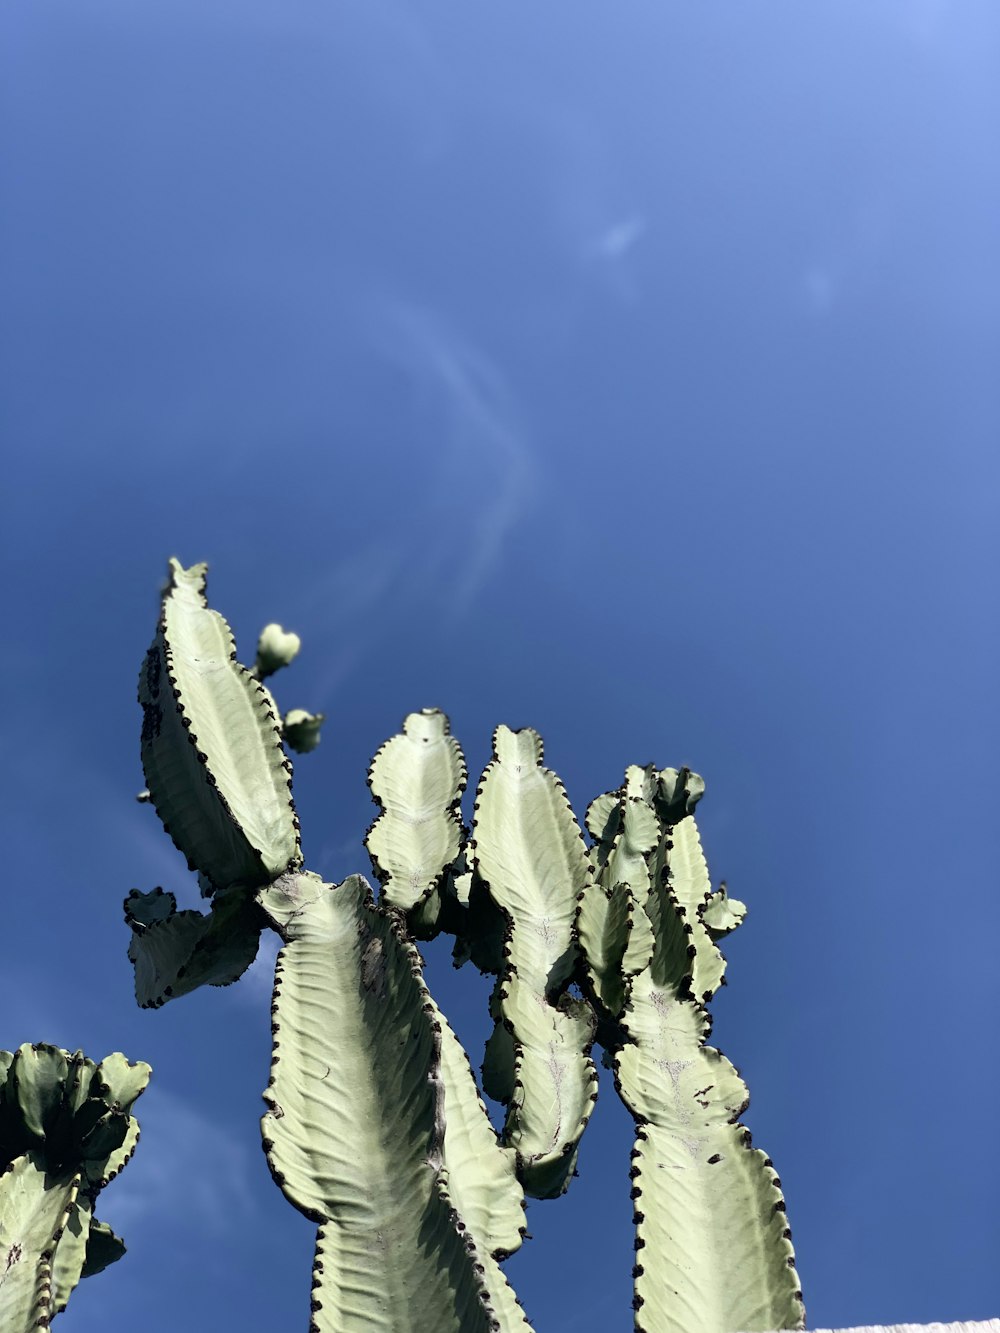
(486,477)
(618,240)
(437,546)
(610,255)
(590,203)
(481,421)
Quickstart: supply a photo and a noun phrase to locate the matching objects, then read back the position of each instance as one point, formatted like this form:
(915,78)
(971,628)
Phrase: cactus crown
(66,1130)
(374,1125)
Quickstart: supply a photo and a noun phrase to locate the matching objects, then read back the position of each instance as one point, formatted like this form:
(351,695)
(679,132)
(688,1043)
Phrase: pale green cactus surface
(66,1130)
(374,1126)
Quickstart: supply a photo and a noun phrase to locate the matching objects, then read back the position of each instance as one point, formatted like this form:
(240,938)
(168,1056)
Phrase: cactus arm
(355,1118)
(482,1175)
(680,895)
(120,1080)
(116,1082)
(615,935)
(179,951)
(684,881)
(40,1075)
(601,818)
(500,1056)
(102,1169)
(103,1248)
(713,1248)
(417,777)
(722,913)
(35,1206)
(211,746)
(530,853)
(555,1084)
(504,1309)
(481,927)
(616,943)
(79,1114)
(79,1079)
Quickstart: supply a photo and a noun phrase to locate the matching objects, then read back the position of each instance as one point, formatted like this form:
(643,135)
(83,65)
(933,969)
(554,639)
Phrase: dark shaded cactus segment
(356,1126)
(66,1130)
(211,745)
(615,934)
(530,854)
(176,952)
(301,730)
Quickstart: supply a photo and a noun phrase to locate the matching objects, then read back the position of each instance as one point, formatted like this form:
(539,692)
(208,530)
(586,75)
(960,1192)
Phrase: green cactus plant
(374,1126)
(66,1130)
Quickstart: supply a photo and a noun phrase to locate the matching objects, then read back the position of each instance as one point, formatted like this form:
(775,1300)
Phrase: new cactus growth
(374,1126)
(66,1130)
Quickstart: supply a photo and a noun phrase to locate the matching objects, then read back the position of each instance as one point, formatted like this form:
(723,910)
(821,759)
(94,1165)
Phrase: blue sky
(624,371)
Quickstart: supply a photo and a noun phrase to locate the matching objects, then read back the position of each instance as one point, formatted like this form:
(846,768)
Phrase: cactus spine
(66,1130)
(374,1127)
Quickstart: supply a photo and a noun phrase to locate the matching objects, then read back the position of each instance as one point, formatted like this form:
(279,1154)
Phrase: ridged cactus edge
(375,1127)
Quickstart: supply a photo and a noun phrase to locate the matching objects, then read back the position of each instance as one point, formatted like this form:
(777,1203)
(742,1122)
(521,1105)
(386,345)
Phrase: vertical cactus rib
(356,1113)
(615,934)
(529,852)
(417,777)
(714,1252)
(682,884)
(211,745)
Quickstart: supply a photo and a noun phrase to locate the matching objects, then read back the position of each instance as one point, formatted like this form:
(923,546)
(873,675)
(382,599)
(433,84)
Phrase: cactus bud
(275,649)
(300,730)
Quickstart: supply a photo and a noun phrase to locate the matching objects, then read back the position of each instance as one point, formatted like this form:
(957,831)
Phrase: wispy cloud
(484,440)
(484,477)
(820,288)
(609,254)
(361,586)
(188,1171)
(617,240)
(435,544)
